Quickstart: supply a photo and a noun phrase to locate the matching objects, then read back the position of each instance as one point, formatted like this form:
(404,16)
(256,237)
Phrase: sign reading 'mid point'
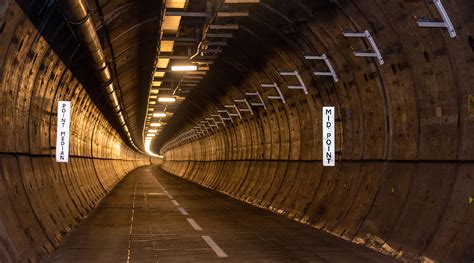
(329,137)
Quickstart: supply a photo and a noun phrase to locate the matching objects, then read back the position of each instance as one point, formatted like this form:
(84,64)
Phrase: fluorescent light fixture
(176,3)
(163,62)
(155,125)
(184,68)
(166,45)
(159,74)
(159,114)
(167,99)
(170,24)
(154,91)
(152,131)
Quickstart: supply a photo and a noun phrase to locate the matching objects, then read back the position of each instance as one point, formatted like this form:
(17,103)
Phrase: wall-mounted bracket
(220,118)
(446,23)
(209,125)
(296,74)
(257,104)
(205,128)
(247,104)
(237,112)
(228,118)
(275,86)
(212,125)
(366,34)
(202,129)
(331,71)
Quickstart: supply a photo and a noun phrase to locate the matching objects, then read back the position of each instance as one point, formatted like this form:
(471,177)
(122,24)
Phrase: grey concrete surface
(140,221)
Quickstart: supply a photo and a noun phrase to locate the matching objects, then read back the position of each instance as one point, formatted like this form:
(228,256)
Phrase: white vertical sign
(62,139)
(329,137)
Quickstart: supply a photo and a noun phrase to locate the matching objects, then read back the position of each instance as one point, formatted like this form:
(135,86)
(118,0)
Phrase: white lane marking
(194,224)
(155,194)
(175,202)
(170,196)
(129,254)
(219,252)
(183,212)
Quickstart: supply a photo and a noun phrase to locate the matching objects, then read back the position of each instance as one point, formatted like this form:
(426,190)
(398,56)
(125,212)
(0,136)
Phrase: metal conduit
(76,13)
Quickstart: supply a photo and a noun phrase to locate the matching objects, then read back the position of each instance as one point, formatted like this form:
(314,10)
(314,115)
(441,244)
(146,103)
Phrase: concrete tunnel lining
(405,150)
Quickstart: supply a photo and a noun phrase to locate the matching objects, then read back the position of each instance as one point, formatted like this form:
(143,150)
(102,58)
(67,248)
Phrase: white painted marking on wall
(175,202)
(219,252)
(62,135)
(194,224)
(182,211)
(329,137)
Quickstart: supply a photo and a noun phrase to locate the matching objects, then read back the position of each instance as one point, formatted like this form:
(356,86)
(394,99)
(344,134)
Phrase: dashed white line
(194,224)
(210,242)
(129,254)
(219,252)
(182,211)
(154,194)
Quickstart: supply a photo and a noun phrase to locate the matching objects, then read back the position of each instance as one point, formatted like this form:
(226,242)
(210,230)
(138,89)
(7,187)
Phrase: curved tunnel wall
(41,200)
(404,173)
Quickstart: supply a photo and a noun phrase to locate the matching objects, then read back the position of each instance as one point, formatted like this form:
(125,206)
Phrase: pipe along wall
(403,181)
(41,200)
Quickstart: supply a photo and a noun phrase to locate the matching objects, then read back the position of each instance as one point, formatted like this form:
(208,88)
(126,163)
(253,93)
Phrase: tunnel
(237,131)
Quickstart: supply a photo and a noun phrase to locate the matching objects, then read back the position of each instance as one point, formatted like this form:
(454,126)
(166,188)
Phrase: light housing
(166,99)
(159,114)
(184,68)
(157,124)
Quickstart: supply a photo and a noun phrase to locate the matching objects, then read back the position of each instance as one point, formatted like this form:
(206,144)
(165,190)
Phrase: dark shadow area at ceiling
(131,37)
(268,29)
(48,19)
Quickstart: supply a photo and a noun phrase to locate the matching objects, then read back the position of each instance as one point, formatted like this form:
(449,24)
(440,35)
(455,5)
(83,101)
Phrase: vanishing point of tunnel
(237,131)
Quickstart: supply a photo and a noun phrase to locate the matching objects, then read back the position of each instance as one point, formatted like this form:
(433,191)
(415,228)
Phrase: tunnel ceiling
(278,35)
(274,36)
(128,32)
